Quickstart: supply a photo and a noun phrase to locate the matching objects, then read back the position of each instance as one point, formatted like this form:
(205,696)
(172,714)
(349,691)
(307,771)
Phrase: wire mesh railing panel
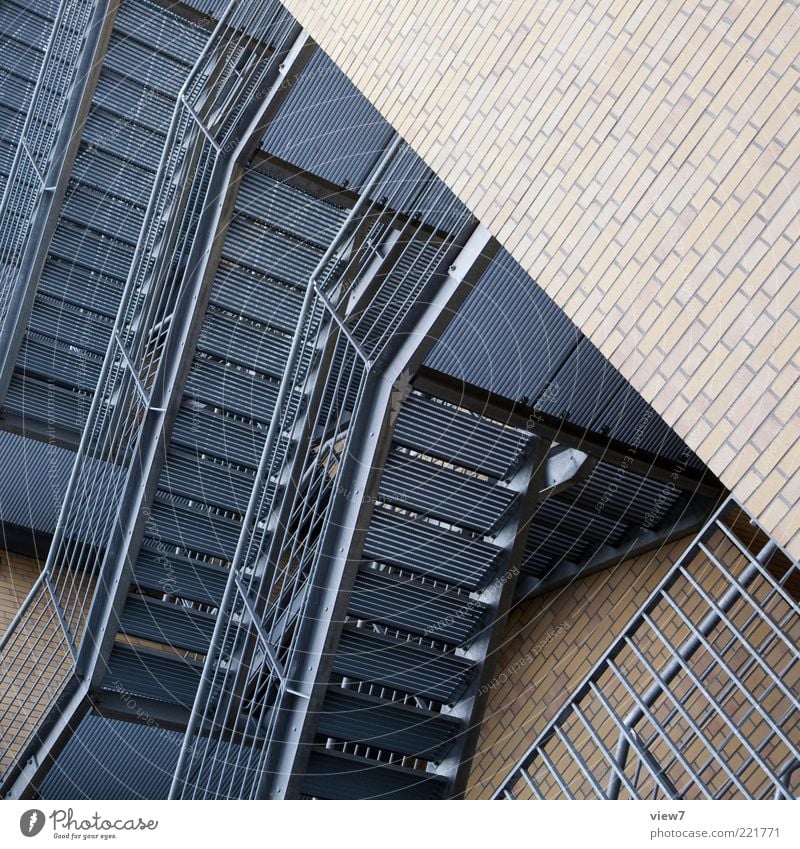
(363,282)
(139,369)
(700,695)
(33,671)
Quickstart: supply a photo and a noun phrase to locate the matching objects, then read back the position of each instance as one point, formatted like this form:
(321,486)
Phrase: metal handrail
(680,663)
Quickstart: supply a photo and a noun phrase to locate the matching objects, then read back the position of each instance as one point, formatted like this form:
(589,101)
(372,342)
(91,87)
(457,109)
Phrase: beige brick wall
(641,160)
(17,576)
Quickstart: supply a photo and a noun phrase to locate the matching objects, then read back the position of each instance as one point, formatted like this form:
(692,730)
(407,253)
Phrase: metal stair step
(256,296)
(106,256)
(101,212)
(335,775)
(232,389)
(123,138)
(156,70)
(22,23)
(458,437)
(172,624)
(437,612)
(353,717)
(180,576)
(194,529)
(244,343)
(208,432)
(289,209)
(624,494)
(15,93)
(126,95)
(47,359)
(46,8)
(7,152)
(547,546)
(81,287)
(11,124)
(113,175)
(70,325)
(432,490)
(160,30)
(18,59)
(201,480)
(403,665)
(152,675)
(43,401)
(269,252)
(577,522)
(430,550)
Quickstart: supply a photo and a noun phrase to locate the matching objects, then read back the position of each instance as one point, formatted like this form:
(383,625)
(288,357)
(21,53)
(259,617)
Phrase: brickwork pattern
(641,160)
(17,575)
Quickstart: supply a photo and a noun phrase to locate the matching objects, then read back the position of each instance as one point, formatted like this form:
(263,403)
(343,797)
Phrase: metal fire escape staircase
(209,469)
(426,596)
(70,621)
(284,639)
(79,261)
(25,34)
(193,404)
(47,145)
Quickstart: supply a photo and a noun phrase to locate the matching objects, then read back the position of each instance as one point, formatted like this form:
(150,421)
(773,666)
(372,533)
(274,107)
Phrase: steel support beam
(116,705)
(370,434)
(564,468)
(68,132)
(691,519)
